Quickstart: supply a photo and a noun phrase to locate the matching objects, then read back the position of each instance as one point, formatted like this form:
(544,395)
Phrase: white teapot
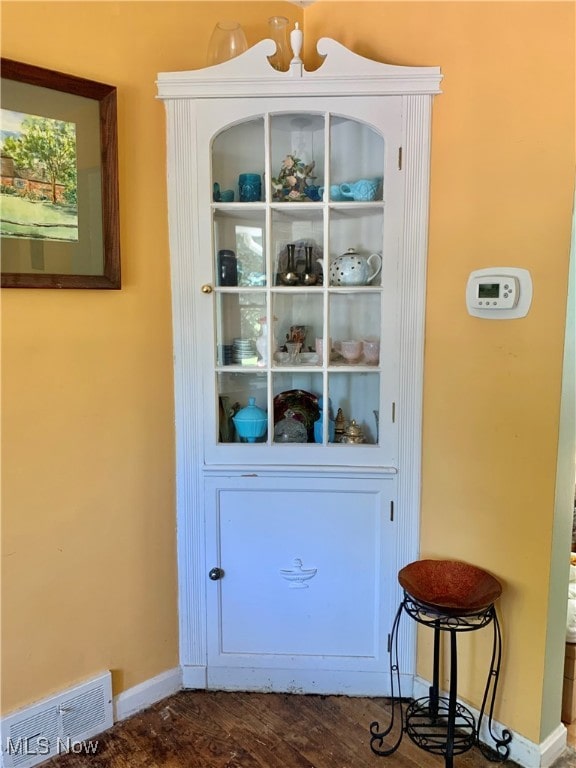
(352,268)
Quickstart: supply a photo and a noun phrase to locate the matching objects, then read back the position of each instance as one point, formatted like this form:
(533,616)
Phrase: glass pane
(238,316)
(297,161)
(298,322)
(234,391)
(355,175)
(363,230)
(240,247)
(296,396)
(295,228)
(354,322)
(358,395)
(235,150)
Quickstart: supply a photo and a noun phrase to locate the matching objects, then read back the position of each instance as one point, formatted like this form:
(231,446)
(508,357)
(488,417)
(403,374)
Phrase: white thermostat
(499,293)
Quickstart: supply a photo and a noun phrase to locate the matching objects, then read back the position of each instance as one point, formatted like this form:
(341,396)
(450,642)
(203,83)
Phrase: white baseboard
(552,747)
(147,693)
(194,678)
(522,751)
(328,682)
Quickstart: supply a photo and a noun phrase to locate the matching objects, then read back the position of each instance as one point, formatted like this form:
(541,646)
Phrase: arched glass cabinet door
(300,273)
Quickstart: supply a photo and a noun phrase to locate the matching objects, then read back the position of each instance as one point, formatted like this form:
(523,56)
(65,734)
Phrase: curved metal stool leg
(377,738)
(501,750)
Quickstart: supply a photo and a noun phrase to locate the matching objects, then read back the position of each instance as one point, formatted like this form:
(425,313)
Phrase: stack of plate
(225,354)
(243,350)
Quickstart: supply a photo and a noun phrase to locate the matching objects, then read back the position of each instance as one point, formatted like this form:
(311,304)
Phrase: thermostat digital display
(499,293)
(489,290)
(496,293)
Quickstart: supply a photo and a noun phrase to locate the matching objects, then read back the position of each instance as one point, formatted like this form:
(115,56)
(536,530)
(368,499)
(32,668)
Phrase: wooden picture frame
(59,218)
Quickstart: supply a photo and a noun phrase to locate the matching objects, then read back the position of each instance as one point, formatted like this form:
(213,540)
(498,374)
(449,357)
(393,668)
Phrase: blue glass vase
(319,423)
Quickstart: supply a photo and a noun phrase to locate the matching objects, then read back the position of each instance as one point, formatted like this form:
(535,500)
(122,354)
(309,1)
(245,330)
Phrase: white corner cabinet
(298,205)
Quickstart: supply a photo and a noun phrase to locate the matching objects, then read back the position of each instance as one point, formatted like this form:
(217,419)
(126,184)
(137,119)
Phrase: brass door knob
(207,288)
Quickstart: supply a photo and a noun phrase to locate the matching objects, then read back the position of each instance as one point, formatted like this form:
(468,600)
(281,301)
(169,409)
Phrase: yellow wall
(88,543)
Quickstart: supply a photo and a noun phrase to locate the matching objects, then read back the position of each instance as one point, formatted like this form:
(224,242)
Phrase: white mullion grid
(269,271)
(326,260)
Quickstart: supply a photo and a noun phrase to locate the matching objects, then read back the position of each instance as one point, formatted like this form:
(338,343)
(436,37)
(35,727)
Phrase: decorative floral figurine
(293,182)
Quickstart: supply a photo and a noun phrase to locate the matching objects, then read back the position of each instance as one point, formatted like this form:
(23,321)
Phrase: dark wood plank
(217,729)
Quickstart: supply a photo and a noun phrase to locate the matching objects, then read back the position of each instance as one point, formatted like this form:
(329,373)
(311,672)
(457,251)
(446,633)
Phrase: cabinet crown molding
(341,72)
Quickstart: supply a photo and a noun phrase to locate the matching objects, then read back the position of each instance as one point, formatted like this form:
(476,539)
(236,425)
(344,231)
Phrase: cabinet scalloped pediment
(340,60)
(251,73)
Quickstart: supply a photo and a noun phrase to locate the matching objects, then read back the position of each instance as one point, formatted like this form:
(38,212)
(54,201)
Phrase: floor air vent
(66,722)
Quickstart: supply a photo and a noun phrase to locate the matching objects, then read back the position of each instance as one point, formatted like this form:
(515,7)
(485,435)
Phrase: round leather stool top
(451,586)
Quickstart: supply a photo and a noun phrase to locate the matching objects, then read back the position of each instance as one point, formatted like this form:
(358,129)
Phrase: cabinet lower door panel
(308,573)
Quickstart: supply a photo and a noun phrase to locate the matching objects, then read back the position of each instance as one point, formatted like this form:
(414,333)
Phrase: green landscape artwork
(38,192)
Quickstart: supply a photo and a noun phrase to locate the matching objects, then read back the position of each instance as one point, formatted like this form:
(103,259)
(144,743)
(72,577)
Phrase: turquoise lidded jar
(251,422)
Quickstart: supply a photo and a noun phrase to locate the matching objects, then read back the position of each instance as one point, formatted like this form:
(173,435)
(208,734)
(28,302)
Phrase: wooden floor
(214,729)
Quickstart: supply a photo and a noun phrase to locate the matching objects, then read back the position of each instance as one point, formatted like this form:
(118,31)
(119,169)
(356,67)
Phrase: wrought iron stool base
(440,724)
(427,725)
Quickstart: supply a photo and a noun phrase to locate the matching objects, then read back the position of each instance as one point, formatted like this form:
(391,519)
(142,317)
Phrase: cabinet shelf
(293,208)
(310,367)
(237,208)
(298,289)
(353,289)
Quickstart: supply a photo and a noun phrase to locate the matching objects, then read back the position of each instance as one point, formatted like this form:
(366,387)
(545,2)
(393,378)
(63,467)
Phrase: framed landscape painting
(59,224)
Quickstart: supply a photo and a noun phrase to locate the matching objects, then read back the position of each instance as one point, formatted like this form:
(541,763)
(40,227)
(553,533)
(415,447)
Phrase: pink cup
(351,350)
(371,350)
